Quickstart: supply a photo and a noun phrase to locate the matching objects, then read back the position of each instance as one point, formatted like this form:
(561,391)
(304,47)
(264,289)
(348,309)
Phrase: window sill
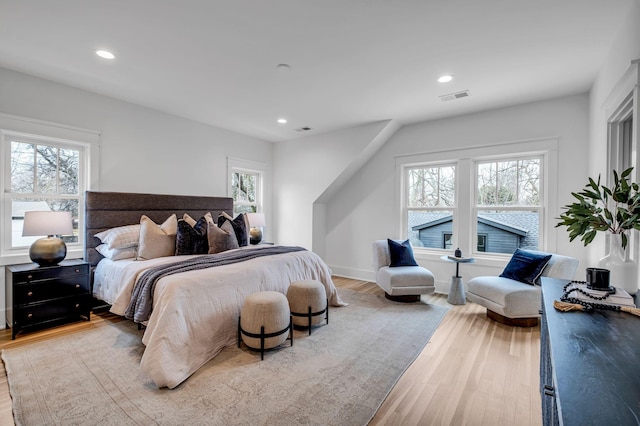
(482,259)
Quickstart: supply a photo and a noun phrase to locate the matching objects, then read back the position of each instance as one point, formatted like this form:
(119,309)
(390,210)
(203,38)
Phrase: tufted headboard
(104,210)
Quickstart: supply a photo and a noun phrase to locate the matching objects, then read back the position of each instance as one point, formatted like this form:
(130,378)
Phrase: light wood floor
(472,372)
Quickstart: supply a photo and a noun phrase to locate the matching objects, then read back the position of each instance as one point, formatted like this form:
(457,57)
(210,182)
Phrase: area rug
(337,376)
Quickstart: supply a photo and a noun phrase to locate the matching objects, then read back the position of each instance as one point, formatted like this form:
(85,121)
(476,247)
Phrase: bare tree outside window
(430,197)
(244,190)
(43,177)
(509,204)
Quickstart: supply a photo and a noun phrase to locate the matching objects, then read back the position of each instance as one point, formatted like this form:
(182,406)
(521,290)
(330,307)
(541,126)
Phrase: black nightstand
(40,297)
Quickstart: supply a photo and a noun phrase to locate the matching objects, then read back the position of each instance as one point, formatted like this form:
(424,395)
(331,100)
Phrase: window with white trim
(41,174)
(246,185)
(489,199)
(245,190)
(508,204)
(430,204)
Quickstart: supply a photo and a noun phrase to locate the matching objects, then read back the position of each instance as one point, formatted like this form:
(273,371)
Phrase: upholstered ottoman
(308,302)
(265,321)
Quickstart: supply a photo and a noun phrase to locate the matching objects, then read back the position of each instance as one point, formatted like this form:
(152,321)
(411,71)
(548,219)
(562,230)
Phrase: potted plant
(615,210)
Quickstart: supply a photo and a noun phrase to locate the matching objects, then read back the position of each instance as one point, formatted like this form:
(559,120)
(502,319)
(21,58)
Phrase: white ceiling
(352,61)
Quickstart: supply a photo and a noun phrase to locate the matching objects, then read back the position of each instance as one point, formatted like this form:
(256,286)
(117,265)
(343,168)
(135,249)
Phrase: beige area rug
(337,376)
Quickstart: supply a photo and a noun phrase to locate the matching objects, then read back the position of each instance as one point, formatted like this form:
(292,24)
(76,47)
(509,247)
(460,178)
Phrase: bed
(194,313)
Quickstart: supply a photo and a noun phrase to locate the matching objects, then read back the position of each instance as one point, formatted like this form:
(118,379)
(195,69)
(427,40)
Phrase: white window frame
(235,165)
(465,222)
(538,209)
(406,207)
(622,104)
(87,141)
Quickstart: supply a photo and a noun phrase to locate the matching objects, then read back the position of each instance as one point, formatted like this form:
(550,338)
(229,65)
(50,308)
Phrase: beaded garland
(588,306)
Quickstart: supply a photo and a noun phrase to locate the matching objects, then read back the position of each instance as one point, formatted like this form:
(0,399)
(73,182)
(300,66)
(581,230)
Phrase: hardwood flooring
(473,371)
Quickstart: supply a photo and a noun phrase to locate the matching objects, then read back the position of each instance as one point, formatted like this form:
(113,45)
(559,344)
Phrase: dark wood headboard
(104,210)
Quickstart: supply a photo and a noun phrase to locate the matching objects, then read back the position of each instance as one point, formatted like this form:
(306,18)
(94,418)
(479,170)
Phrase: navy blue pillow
(525,266)
(239,227)
(192,240)
(401,253)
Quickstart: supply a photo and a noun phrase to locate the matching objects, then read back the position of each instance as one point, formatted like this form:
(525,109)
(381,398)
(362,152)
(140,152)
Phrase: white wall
(367,208)
(307,167)
(141,149)
(625,48)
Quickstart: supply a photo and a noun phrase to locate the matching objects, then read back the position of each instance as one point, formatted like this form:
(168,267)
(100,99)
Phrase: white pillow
(117,254)
(157,240)
(120,237)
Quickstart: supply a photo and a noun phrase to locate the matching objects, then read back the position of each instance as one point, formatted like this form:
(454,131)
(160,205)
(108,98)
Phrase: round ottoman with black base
(308,303)
(265,321)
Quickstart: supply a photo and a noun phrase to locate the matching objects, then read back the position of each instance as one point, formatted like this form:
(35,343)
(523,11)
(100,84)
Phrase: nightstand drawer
(45,290)
(48,273)
(52,310)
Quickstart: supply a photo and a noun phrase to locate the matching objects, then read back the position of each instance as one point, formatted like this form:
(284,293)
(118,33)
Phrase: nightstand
(41,297)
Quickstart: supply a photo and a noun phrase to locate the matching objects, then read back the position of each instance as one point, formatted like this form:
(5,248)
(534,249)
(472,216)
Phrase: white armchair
(400,283)
(512,302)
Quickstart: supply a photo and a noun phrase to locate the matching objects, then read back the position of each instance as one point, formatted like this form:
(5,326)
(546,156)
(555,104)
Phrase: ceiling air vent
(452,96)
(303,129)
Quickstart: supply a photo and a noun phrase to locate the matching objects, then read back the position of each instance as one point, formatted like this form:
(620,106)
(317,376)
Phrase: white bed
(195,313)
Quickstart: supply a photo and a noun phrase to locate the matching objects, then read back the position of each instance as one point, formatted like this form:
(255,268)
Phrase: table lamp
(256,222)
(50,250)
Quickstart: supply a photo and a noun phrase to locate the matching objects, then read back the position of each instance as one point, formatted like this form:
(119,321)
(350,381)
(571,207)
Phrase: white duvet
(195,313)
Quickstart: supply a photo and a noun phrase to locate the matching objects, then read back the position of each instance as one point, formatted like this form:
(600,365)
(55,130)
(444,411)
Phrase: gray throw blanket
(141,303)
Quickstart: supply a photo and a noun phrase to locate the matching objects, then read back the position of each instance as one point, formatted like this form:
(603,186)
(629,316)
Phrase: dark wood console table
(589,364)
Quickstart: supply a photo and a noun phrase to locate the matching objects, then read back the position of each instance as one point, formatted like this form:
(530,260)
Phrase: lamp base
(48,251)
(256,235)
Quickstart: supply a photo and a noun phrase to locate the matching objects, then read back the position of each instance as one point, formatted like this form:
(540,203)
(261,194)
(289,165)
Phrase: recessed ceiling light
(105,54)
(283,67)
(282,120)
(445,78)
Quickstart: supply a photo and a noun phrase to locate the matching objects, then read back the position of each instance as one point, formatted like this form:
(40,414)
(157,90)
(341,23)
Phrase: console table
(589,364)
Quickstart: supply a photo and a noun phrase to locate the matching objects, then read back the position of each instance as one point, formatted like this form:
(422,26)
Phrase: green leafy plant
(615,210)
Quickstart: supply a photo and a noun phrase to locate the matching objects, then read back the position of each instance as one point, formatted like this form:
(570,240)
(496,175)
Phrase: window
(430,202)
(246,185)
(41,174)
(489,199)
(244,189)
(508,206)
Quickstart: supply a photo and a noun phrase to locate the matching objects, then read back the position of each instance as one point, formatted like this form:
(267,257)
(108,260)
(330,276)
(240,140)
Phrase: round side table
(456,290)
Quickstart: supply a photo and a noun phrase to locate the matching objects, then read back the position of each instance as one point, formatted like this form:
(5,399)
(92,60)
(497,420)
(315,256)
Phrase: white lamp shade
(256,220)
(47,223)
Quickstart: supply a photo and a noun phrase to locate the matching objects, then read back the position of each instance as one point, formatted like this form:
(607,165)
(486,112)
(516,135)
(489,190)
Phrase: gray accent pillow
(221,239)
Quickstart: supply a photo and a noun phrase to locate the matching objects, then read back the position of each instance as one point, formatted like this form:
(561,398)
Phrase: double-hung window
(245,190)
(246,185)
(508,204)
(430,204)
(491,199)
(41,174)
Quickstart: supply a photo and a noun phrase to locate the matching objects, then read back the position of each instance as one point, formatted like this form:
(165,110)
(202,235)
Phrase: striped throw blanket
(141,303)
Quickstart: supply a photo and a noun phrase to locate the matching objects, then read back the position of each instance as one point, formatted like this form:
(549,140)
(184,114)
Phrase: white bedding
(195,313)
